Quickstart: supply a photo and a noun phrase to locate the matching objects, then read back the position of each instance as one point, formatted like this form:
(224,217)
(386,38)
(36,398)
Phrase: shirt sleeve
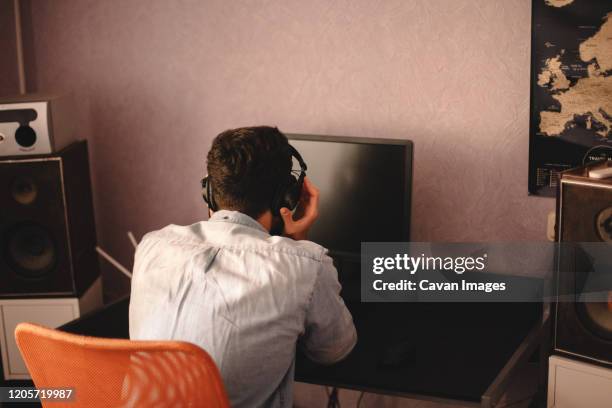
(330,334)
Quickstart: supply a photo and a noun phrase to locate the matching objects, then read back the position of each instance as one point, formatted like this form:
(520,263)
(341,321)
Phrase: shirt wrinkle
(179,308)
(210,259)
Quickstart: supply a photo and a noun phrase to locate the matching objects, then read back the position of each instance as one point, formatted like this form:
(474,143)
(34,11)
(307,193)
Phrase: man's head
(246,166)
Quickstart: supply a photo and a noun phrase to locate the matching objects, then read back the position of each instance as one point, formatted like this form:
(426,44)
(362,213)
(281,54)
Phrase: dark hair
(246,167)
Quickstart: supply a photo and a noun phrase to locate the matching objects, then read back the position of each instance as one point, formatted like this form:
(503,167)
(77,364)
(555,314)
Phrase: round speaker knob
(25,136)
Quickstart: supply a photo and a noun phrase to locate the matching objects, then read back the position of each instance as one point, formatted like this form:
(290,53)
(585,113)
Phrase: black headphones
(287,193)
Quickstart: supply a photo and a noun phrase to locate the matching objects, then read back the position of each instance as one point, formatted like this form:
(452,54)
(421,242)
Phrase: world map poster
(571,87)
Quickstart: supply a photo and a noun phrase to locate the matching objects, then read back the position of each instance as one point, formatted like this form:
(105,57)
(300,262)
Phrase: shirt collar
(235,217)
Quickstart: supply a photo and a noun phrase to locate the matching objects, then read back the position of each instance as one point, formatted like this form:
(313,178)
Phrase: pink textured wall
(156,80)
(9,81)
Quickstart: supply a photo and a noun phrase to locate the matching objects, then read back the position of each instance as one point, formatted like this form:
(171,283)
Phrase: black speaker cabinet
(47,230)
(583,313)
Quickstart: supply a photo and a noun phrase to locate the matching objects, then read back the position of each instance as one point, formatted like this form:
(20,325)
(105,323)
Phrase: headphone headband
(294,153)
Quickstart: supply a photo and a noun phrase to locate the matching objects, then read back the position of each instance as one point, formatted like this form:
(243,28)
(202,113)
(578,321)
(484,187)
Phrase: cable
(360,398)
(19,47)
(132,239)
(333,401)
(114,262)
(586,155)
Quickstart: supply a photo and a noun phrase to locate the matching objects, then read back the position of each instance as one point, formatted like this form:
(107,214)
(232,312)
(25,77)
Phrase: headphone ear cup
(205,190)
(288,193)
(292,194)
(207,194)
(284,196)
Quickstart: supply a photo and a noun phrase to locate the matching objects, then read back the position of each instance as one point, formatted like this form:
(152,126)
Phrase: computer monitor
(365,187)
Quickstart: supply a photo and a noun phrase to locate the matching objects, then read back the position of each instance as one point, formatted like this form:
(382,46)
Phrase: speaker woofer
(30,250)
(597,316)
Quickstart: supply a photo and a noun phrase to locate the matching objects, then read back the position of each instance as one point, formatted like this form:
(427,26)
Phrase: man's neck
(265,220)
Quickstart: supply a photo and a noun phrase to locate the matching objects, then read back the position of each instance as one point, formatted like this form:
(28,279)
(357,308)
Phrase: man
(245,296)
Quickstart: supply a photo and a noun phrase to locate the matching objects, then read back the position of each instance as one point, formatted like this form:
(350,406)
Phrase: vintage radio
(35,124)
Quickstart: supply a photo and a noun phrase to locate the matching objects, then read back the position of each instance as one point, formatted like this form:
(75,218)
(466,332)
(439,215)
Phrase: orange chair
(120,373)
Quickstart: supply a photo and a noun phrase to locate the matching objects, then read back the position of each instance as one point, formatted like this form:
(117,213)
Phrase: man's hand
(307,212)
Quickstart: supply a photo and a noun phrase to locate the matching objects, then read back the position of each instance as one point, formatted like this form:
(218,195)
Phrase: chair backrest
(120,373)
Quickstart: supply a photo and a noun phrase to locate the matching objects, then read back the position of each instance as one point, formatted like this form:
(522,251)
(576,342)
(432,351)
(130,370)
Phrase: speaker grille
(47,231)
(35,255)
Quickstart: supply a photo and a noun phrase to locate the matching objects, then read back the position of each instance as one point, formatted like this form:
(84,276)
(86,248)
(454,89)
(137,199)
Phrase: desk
(461,348)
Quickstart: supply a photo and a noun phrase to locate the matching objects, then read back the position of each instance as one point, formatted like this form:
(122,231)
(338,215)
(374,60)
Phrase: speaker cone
(30,250)
(604,224)
(594,302)
(24,190)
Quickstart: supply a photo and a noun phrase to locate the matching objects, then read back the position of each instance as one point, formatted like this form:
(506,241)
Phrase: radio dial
(25,136)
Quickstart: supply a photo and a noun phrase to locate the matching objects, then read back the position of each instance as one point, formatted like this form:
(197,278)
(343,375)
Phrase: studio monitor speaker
(47,231)
(585,207)
(583,323)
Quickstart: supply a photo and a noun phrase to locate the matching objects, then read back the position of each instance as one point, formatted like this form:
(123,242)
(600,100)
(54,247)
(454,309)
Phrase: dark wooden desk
(460,348)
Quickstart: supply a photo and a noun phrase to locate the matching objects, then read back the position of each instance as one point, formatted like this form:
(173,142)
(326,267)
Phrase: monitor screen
(365,187)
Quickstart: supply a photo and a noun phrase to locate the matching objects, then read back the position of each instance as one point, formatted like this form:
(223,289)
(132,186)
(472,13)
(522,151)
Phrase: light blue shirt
(244,296)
